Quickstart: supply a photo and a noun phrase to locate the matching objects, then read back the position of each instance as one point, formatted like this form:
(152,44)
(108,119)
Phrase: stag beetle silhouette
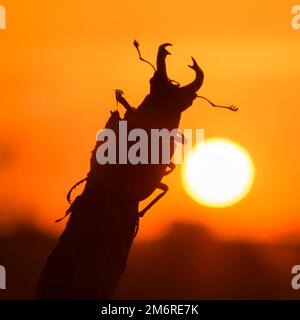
(161,109)
(92,252)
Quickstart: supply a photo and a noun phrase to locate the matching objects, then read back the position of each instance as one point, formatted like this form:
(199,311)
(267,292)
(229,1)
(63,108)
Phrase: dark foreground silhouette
(91,254)
(186,262)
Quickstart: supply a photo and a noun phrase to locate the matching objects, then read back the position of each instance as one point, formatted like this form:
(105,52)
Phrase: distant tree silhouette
(203,267)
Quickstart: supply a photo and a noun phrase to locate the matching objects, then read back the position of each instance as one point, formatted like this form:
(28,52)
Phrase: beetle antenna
(231,107)
(136,44)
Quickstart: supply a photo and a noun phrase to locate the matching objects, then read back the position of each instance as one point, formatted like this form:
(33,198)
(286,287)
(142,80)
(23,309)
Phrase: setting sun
(218,173)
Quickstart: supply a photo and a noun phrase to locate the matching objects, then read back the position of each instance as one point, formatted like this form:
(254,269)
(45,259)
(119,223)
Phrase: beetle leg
(164,189)
(181,138)
(171,167)
(120,99)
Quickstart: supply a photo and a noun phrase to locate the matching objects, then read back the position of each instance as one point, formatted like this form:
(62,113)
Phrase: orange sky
(60,62)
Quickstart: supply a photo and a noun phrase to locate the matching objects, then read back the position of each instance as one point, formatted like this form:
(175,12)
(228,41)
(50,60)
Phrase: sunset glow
(61,62)
(218,173)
